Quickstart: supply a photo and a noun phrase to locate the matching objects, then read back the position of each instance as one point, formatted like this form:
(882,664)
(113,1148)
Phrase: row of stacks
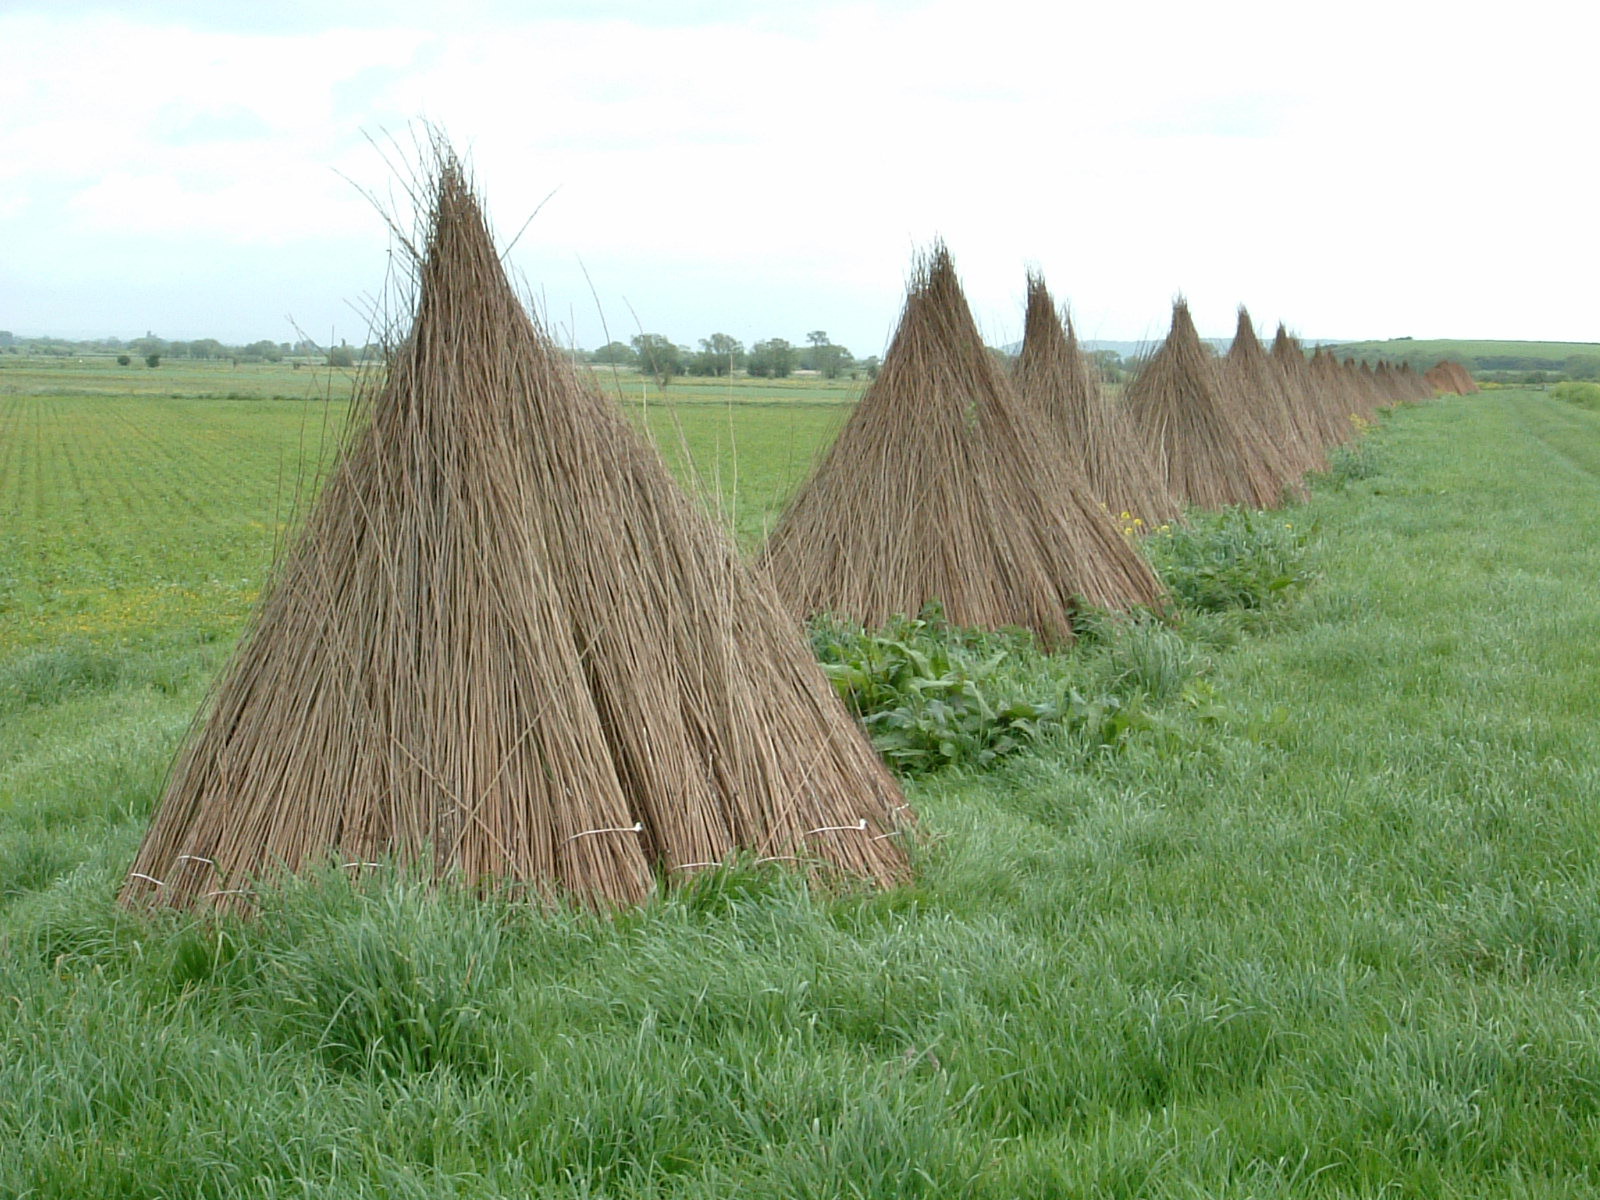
(507,649)
(1006,499)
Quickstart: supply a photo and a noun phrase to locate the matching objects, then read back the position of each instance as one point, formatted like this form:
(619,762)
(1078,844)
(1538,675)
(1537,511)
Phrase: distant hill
(1477,355)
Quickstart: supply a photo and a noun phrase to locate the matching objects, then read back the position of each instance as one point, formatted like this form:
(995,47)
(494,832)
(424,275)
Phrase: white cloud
(719,168)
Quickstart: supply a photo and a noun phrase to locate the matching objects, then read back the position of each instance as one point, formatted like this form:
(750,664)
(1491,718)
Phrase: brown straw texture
(1252,382)
(507,649)
(1063,387)
(1211,452)
(941,488)
(1336,392)
(1328,426)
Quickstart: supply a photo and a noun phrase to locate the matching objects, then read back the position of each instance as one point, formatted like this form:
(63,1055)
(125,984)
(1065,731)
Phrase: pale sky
(193,167)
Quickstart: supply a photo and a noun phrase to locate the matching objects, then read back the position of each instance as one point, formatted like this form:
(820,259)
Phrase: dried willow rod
(1212,453)
(1251,382)
(506,647)
(1055,378)
(1327,426)
(940,488)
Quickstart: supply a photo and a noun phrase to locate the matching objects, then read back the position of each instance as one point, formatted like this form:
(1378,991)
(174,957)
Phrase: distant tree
(124,361)
(148,344)
(618,353)
(263,351)
(341,356)
(772,359)
(8,340)
(206,348)
(658,356)
(831,360)
(152,360)
(1109,363)
(810,358)
(719,355)
(870,365)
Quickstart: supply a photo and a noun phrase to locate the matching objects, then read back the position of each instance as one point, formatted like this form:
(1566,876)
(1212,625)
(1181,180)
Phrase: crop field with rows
(134,514)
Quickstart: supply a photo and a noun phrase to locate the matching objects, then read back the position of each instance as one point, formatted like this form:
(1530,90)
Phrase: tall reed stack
(1451,378)
(942,487)
(1211,454)
(1053,376)
(1252,382)
(506,649)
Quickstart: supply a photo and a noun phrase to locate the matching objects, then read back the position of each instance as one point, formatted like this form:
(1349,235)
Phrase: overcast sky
(194,167)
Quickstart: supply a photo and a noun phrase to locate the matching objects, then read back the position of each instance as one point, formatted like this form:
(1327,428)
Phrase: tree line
(721,355)
(151,347)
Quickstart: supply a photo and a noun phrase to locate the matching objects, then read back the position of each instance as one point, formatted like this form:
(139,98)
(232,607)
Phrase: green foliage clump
(1350,462)
(1584,395)
(932,695)
(1231,559)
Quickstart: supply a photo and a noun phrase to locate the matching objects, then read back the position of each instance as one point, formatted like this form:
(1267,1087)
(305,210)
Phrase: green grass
(175,378)
(1330,928)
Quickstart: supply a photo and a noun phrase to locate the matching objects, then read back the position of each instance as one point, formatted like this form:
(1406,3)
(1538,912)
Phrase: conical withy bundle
(506,647)
(1336,391)
(1329,427)
(1451,377)
(1054,377)
(1210,452)
(940,488)
(1254,383)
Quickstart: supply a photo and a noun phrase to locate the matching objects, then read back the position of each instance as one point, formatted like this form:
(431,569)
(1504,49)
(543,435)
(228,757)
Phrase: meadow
(1326,923)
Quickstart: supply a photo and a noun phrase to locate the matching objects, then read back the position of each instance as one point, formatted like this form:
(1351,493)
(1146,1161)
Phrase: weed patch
(1231,559)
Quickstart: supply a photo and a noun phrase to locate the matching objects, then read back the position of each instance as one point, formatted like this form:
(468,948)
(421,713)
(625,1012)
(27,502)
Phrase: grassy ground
(1329,928)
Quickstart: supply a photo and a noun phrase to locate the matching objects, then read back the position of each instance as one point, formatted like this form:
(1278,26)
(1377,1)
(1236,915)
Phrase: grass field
(1329,928)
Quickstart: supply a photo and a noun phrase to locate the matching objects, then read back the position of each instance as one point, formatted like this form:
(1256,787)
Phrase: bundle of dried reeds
(1416,386)
(1212,453)
(1465,384)
(1326,427)
(1377,377)
(1063,387)
(506,648)
(1251,381)
(1336,392)
(1367,394)
(941,488)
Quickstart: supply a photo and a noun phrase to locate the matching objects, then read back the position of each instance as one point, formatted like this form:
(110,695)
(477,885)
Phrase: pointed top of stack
(941,488)
(1213,455)
(1262,393)
(1063,388)
(507,648)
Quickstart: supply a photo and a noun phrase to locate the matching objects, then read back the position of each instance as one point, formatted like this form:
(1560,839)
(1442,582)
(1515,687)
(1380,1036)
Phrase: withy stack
(507,649)
(945,487)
